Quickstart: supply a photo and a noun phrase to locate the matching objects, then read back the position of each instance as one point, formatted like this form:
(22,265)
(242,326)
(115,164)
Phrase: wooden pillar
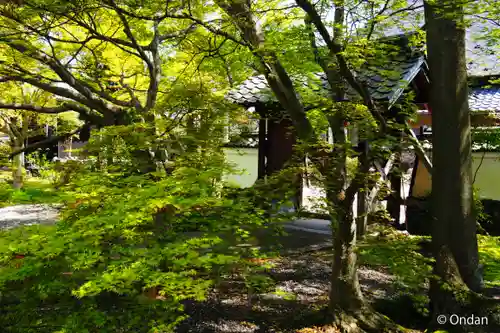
(281,140)
(413,176)
(394,201)
(262,151)
(362,196)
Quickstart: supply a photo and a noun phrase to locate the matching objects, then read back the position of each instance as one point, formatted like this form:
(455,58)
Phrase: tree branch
(62,72)
(336,51)
(154,64)
(384,172)
(59,91)
(155,73)
(276,75)
(31,148)
(208,27)
(49,110)
(12,129)
(419,150)
(130,35)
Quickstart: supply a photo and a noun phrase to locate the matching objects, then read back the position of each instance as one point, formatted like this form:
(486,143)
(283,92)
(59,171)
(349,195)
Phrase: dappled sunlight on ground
(294,304)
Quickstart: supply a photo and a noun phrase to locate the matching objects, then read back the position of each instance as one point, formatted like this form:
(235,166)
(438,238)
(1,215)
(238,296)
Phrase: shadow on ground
(301,274)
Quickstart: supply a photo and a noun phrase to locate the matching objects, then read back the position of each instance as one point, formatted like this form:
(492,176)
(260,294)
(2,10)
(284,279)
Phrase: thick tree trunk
(347,307)
(453,227)
(349,310)
(455,222)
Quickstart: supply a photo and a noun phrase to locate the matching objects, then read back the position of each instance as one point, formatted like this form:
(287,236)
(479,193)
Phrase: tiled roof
(482,56)
(384,83)
(483,61)
(484,99)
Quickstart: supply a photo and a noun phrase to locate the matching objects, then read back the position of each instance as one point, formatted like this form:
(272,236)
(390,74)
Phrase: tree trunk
(350,313)
(18,166)
(349,310)
(345,291)
(454,227)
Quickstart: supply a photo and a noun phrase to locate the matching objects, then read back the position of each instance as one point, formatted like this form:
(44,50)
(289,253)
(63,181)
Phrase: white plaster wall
(313,198)
(486,166)
(245,160)
(488,174)
(487,179)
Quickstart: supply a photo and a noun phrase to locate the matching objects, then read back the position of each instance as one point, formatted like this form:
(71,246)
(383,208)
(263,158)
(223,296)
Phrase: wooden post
(262,151)
(395,199)
(362,206)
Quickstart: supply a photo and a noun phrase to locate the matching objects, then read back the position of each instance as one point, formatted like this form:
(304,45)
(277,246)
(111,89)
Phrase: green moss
(398,254)
(489,253)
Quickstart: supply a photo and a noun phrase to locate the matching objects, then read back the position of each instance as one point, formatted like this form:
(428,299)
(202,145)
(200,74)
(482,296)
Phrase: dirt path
(14,216)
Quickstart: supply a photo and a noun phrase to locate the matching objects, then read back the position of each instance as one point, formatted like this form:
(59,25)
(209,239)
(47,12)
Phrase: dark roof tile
(484,99)
(384,82)
(481,55)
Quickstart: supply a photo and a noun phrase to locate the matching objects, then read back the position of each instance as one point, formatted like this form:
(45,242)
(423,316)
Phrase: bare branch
(50,110)
(276,75)
(209,27)
(130,35)
(336,50)
(59,91)
(31,148)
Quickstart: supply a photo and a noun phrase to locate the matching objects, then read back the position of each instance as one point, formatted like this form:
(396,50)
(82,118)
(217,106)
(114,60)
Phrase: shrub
(5,193)
(120,259)
(64,172)
(5,150)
